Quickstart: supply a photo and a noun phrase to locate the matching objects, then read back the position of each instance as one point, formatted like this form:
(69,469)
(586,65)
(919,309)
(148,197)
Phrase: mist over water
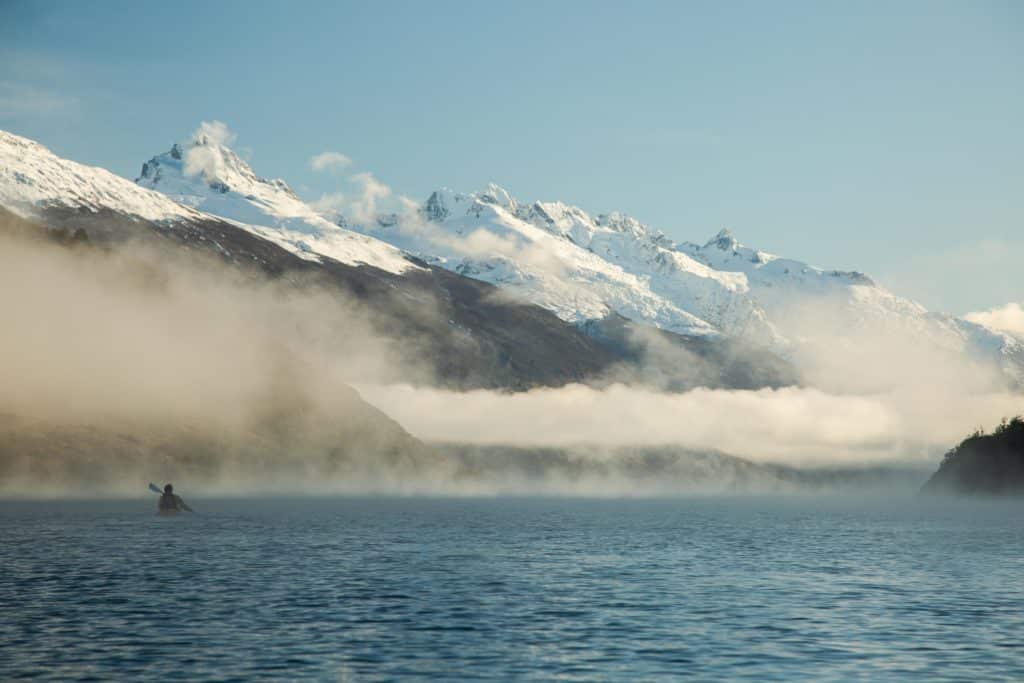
(792,425)
(132,364)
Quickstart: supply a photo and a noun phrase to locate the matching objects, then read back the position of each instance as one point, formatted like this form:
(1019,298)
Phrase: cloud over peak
(202,156)
(326,161)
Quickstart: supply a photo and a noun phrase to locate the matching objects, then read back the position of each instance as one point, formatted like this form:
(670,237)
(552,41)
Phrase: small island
(984,464)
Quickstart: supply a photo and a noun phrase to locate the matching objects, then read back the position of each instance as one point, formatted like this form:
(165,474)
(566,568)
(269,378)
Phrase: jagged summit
(498,196)
(585,267)
(444,201)
(581,267)
(206,174)
(724,240)
(216,164)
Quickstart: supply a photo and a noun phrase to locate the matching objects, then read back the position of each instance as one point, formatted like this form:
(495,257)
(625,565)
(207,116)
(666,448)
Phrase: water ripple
(379,589)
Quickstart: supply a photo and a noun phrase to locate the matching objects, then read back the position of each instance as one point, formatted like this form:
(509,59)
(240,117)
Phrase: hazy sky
(883,137)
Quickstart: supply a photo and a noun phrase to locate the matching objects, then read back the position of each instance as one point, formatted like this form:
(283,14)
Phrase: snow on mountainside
(207,175)
(34,179)
(517,251)
(779,282)
(580,267)
(584,267)
(804,301)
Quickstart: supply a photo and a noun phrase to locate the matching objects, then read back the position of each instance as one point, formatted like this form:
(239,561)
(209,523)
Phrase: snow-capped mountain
(583,267)
(458,333)
(209,176)
(780,285)
(33,179)
(805,302)
(516,250)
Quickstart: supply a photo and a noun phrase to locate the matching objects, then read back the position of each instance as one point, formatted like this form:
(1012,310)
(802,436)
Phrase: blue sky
(883,137)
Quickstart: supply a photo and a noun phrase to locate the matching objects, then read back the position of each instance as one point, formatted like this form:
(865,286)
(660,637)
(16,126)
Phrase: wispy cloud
(35,84)
(363,209)
(21,99)
(327,161)
(330,203)
(1008,319)
(214,132)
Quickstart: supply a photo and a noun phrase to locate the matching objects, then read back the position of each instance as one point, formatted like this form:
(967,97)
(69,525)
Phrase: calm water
(374,589)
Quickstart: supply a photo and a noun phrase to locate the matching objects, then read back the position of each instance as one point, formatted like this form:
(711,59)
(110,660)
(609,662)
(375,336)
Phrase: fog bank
(135,364)
(790,425)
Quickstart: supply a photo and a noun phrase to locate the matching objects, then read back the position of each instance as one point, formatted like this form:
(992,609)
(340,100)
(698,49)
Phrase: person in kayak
(170,504)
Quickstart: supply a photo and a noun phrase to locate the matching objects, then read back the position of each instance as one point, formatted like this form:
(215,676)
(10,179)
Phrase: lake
(353,589)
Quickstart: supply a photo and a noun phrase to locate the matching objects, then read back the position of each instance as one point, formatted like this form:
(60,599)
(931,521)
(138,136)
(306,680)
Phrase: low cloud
(483,244)
(875,394)
(329,161)
(151,333)
(1008,319)
(146,362)
(370,198)
(204,157)
(363,209)
(213,133)
(329,203)
(253,375)
(797,426)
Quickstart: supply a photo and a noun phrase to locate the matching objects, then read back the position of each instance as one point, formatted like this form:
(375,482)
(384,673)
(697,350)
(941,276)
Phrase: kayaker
(171,504)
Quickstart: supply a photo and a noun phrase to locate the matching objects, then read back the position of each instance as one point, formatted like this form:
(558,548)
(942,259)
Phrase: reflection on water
(367,589)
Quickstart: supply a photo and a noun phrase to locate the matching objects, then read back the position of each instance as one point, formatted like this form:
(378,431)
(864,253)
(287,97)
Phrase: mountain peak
(207,159)
(499,196)
(205,174)
(438,204)
(724,240)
